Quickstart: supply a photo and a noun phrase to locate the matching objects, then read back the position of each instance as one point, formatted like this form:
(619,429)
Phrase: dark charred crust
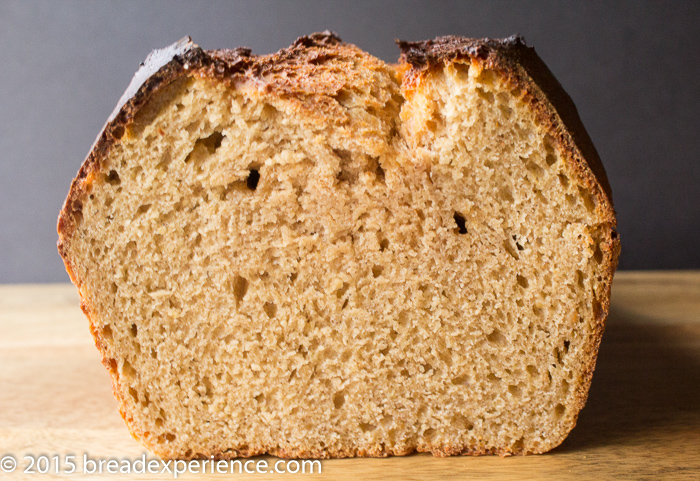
(429,52)
(319,39)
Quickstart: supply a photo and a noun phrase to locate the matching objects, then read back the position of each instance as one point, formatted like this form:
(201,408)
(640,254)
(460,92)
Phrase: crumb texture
(325,263)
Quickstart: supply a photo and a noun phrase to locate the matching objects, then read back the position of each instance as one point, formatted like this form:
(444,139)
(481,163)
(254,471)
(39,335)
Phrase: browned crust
(521,67)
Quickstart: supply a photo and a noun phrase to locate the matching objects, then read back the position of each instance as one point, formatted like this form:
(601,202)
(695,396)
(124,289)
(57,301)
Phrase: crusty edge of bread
(521,67)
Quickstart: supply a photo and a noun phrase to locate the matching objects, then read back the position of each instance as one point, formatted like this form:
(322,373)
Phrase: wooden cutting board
(642,419)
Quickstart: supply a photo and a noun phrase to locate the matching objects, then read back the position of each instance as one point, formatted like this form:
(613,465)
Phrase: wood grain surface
(642,420)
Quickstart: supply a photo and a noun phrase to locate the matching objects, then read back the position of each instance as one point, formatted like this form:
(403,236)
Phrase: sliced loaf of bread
(317,254)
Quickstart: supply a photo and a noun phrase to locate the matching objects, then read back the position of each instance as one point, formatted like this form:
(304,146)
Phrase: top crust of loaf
(519,65)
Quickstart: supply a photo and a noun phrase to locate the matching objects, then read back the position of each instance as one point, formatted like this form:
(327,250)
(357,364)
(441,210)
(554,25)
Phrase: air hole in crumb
(506,194)
(107,332)
(570,199)
(493,378)
(377,271)
(522,281)
(517,243)
(598,254)
(170,437)
(212,142)
(488,96)
(565,386)
(461,223)
(514,390)
(566,346)
(270,309)
(462,380)
(503,97)
(383,244)
(563,180)
(367,427)
(134,330)
(551,159)
(580,278)
(253,179)
(509,248)
(461,423)
(127,370)
(164,162)
(597,309)
(558,355)
(269,111)
(393,334)
(343,289)
(134,394)
(143,209)
(487,76)
(588,199)
(462,70)
(379,172)
(496,337)
(532,370)
(348,172)
(240,288)
(113,178)
(293,277)
(505,109)
(338,400)
(535,169)
(559,411)
(549,143)
(260,398)
(342,96)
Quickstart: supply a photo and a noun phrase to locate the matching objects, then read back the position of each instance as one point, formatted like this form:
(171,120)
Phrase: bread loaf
(317,254)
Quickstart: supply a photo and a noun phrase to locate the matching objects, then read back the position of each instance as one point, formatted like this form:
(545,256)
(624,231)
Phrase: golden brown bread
(363,179)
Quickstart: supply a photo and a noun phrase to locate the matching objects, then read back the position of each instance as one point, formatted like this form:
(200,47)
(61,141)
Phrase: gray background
(633,69)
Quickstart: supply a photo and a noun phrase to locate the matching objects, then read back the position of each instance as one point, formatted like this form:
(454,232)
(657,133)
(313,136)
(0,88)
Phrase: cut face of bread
(315,254)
